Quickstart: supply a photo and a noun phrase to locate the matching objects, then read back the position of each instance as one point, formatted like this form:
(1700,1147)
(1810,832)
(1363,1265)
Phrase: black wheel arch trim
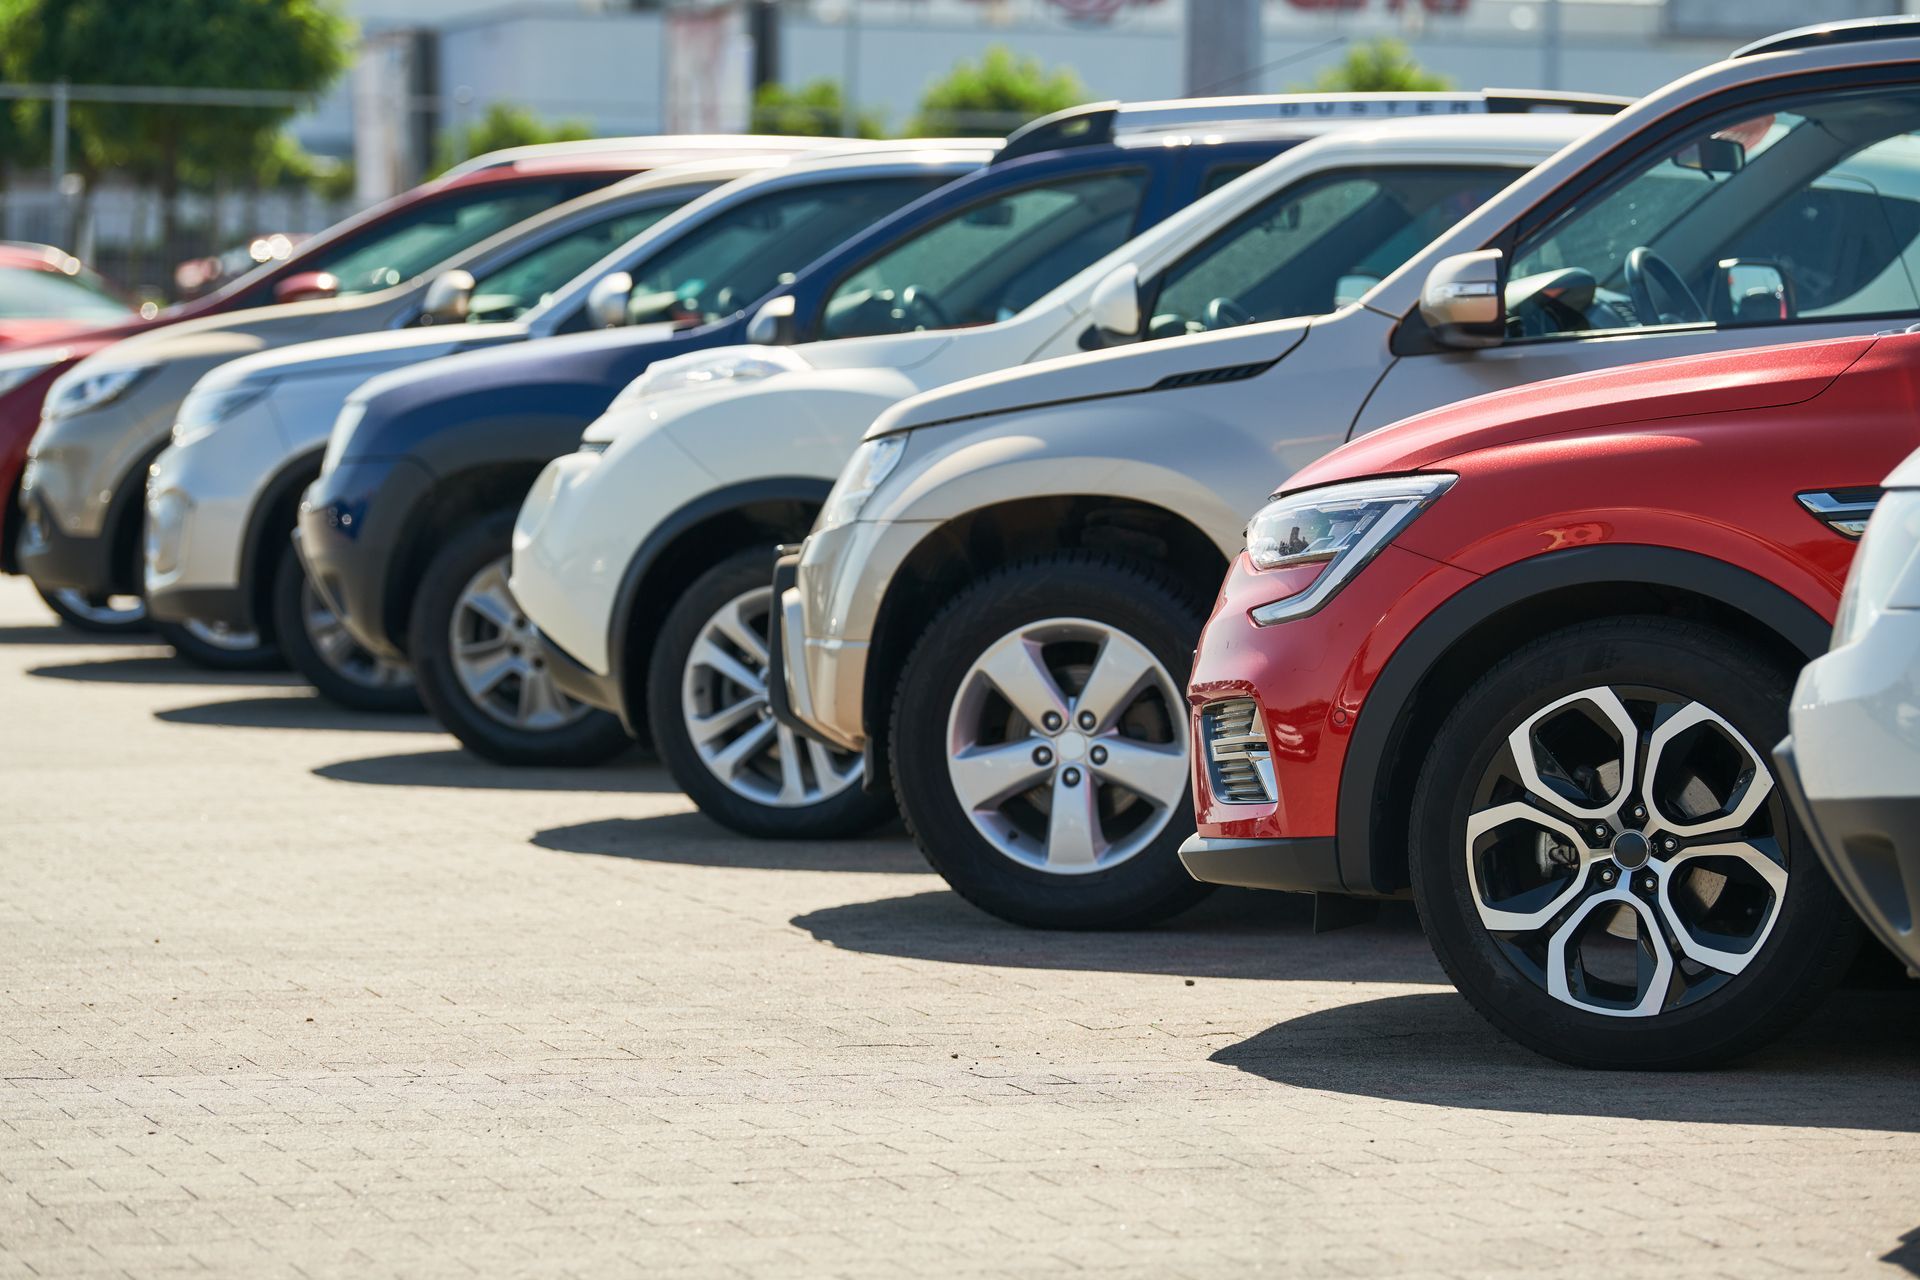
(808,489)
(256,556)
(1382,714)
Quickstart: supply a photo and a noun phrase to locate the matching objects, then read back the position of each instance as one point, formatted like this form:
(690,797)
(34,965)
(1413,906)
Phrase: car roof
(661,149)
(1822,34)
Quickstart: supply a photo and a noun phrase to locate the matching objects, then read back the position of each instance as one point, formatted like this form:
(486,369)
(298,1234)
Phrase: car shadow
(1852,1065)
(159,669)
(1230,934)
(295,711)
(462,769)
(50,633)
(1906,1254)
(692,839)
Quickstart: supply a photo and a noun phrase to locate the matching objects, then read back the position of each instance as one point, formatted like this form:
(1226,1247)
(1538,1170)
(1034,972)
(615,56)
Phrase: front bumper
(351,522)
(569,557)
(57,559)
(199,500)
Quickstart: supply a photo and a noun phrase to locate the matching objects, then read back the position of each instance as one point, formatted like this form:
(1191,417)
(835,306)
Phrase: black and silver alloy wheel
(319,646)
(108,615)
(219,646)
(482,667)
(1602,859)
(1040,745)
(710,718)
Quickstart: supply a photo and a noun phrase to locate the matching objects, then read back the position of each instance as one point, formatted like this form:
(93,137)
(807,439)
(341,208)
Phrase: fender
(1364,871)
(126,518)
(258,559)
(806,489)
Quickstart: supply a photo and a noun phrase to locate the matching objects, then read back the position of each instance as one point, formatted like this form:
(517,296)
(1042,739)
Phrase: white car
(1853,762)
(703,461)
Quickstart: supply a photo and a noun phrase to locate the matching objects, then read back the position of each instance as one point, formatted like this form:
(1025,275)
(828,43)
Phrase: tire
(753,774)
(98,615)
(1534,923)
(465,586)
(320,649)
(1002,851)
(219,648)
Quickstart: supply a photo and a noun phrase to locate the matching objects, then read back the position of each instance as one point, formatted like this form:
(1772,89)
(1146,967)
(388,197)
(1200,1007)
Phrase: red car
(46,294)
(1524,657)
(373,250)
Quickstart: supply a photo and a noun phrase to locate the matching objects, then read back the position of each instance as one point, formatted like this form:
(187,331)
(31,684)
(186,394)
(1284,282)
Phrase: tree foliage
(505,124)
(997,94)
(816,109)
(1378,66)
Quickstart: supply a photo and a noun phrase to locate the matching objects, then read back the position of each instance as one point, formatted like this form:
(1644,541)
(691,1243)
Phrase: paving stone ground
(286,991)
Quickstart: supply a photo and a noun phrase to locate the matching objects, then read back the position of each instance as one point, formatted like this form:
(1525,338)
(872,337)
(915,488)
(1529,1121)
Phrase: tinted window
(517,287)
(1755,219)
(27,293)
(1317,245)
(989,260)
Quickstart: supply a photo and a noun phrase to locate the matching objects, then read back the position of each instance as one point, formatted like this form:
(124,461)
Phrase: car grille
(1239,761)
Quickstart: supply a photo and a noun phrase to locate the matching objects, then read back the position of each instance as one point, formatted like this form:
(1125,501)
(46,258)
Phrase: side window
(1221,174)
(989,260)
(1810,210)
(1316,246)
(517,287)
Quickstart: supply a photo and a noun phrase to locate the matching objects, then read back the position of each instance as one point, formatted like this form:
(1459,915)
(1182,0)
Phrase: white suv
(703,434)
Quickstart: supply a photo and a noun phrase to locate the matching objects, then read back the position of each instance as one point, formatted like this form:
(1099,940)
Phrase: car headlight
(203,411)
(342,435)
(866,471)
(1320,538)
(709,370)
(1886,571)
(16,371)
(78,392)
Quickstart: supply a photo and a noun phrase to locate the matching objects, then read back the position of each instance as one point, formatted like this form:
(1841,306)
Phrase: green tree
(505,124)
(997,94)
(284,46)
(816,109)
(1378,66)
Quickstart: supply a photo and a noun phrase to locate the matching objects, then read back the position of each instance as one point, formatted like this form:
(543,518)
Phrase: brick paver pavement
(287,991)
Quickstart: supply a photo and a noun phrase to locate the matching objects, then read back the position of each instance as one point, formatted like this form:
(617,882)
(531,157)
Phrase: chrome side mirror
(1114,307)
(1462,300)
(607,300)
(771,324)
(448,296)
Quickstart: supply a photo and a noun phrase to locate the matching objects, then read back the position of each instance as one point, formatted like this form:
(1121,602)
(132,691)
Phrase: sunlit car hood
(373,352)
(1096,375)
(1725,383)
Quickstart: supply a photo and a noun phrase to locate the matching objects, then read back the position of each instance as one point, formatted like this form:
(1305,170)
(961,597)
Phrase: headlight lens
(15,372)
(1885,572)
(78,391)
(866,471)
(1322,537)
(205,410)
(708,371)
(342,435)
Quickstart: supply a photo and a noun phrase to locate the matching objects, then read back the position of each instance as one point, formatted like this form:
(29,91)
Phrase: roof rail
(1104,122)
(727,142)
(1854,31)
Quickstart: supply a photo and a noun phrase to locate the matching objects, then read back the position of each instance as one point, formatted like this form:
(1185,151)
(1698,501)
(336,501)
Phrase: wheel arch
(1464,636)
(270,521)
(454,502)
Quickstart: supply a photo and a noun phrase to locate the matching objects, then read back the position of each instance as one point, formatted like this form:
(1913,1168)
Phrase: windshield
(515,288)
(988,261)
(1317,246)
(742,253)
(28,293)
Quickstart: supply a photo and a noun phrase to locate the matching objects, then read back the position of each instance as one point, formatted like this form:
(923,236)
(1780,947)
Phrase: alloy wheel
(501,659)
(1066,746)
(730,723)
(106,611)
(1626,849)
(344,655)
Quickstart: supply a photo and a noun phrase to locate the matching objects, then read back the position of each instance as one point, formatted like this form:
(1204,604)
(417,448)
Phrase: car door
(1783,220)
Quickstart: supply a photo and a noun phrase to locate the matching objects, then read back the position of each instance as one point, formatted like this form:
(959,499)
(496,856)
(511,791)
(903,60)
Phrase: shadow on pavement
(294,711)
(1231,934)
(54,633)
(1853,1065)
(459,769)
(691,839)
(1906,1254)
(159,670)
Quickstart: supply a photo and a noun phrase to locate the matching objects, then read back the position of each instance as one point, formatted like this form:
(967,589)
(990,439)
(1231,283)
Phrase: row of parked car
(1514,638)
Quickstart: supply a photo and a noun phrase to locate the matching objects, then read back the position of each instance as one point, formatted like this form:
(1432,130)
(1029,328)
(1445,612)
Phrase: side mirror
(1462,301)
(306,286)
(771,325)
(1753,291)
(448,297)
(607,300)
(1115,305)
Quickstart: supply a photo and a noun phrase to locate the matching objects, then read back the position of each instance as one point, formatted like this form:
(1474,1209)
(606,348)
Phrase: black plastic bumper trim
(1309,864)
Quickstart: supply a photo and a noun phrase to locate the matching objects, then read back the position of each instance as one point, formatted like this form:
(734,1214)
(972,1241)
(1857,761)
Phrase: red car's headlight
(1319,538)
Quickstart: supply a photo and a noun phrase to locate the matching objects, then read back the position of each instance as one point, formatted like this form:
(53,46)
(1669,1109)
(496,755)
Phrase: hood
(568,358)
(1121,371)
(891,350)
(371,353)
(85,341)
(21,333)
(1723,382)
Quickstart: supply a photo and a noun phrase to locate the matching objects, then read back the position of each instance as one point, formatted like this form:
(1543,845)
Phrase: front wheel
(318,646)
(482,665)
(100,615)
(707,707)
(219,647)
(1603,862)
(1040,746)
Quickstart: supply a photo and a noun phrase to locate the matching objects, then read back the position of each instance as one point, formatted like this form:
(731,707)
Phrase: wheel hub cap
(1630,849)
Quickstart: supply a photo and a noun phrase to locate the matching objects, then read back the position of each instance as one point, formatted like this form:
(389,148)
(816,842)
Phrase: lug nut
(1087,721)
(1640,812)
(1606,875)
(1098,755)
(1669,844)
(1042,756)
(1649,883)
(1071,777)
(1051,721)
(1599,831)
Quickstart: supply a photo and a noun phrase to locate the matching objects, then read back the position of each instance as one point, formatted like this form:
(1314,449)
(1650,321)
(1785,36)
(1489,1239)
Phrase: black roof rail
(1853,31)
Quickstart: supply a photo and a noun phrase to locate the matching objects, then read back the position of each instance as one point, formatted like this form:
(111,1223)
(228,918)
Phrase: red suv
(1524,657)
